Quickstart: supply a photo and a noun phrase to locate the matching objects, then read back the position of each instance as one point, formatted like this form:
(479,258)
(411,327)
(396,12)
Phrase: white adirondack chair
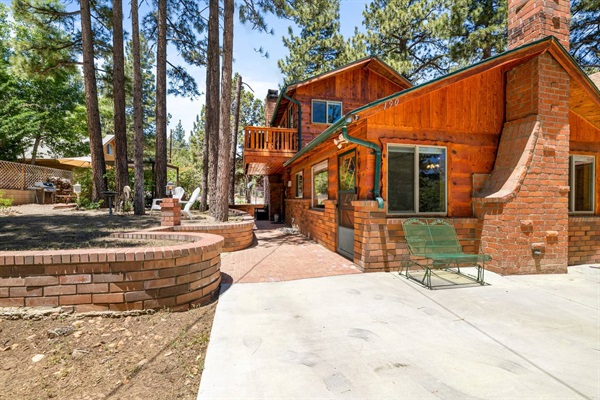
(178,193)
(189,203)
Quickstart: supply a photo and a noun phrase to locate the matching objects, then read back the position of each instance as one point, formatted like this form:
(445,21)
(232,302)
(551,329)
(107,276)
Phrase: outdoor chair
(189,203)
(178,193)
(433,246)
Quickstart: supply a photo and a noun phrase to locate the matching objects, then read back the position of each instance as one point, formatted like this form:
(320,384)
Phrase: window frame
(319,167)
(327,102)
(299,188)
(416,148)
(571,203)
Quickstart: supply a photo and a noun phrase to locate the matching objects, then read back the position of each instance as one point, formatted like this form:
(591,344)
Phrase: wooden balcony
(266,149)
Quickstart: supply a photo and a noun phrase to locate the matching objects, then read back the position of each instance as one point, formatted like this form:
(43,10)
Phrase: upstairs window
(581,180)
(109,149)
(416,179)
(326,112)
(298,185)
(320,184)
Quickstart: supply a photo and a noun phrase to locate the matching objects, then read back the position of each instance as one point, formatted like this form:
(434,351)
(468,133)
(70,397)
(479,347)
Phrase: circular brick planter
(236,235)
(129,278)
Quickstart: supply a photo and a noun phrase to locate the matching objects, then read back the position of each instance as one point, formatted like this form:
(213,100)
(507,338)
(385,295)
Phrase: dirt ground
(155,356)
(41,227)
(158,356)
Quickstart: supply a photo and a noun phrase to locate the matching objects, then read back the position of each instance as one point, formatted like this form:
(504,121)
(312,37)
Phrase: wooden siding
(465,117)
(354,88)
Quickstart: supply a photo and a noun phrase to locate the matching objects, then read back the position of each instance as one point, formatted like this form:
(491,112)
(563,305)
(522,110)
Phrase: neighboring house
(508,150)
(45,158)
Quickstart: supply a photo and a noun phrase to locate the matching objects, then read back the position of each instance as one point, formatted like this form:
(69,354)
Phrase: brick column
(523,207)
(370,236)
(170,212)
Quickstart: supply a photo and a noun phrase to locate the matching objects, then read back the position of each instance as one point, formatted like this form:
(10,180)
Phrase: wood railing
(272,139)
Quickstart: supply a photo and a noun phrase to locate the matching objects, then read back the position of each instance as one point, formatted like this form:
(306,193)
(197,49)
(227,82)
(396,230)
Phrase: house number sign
(391,103)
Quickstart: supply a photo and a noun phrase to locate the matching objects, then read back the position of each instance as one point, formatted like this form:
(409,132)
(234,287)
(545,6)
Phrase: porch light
(170,189)
(289,183)
(340,141)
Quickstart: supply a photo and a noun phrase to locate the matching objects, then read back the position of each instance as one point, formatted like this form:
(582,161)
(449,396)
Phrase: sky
(258,72)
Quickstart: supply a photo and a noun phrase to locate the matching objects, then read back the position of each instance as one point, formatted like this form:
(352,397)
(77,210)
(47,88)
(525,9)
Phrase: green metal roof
(327,133)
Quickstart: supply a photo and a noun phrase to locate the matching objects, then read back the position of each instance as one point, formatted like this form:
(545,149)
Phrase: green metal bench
(435,244)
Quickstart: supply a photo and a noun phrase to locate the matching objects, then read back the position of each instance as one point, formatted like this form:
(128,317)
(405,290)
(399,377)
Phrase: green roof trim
(342,121)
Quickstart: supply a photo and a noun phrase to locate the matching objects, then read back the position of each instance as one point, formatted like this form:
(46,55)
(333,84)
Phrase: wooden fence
(18,176)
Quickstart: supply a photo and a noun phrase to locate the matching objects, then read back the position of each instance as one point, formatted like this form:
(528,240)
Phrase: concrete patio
(381,336)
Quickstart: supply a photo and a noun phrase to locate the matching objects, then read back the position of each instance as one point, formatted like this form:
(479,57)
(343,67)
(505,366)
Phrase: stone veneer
(116,279)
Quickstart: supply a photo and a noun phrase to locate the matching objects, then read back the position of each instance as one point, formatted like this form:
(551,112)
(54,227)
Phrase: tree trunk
(161,101)
(34,150)
(204,182)
(212,100)
(234,138)
(91,101)
(139,195)
(121,168)
(221,211)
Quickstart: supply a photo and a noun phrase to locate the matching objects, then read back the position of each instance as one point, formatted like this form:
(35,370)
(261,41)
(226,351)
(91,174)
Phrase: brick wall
(319,225)
(584,240)
(379,243)
(116,279)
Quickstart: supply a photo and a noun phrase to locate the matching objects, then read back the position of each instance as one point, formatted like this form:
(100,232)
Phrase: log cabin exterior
(508,150)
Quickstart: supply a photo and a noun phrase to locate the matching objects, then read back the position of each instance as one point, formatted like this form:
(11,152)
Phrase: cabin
(507,150)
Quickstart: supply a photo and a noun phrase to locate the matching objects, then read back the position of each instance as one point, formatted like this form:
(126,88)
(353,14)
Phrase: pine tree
(319,47)
(408,35)
(477,30)
(138,113)
(121,164)
(585,33)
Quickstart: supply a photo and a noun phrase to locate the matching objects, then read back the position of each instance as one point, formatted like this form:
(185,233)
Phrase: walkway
(380,336)
(279,255)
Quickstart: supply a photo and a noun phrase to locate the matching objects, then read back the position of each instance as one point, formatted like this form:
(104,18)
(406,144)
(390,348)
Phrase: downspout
(377,150)
(296,102)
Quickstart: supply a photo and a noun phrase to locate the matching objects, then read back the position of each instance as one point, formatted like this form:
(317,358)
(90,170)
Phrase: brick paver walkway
(280,256)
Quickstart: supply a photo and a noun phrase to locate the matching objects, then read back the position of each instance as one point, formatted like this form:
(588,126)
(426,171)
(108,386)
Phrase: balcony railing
(271,139)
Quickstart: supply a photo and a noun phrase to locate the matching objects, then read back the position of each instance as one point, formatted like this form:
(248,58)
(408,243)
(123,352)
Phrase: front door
(346,194)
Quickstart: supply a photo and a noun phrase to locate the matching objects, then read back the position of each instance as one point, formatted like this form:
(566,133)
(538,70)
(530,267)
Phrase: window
(326,112)
(320,183)
(581,181)
(298,185)
(416,179)
(109,149)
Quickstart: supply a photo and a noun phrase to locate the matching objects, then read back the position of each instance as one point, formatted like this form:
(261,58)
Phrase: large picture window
(326,112)
(320,183)
(416,179)
(582,181)
(298,185)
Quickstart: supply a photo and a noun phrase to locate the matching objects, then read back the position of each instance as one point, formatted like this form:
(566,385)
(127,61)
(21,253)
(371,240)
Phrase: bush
(5,202)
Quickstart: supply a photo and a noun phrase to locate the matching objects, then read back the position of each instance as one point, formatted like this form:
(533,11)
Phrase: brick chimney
(530,20)
(270,103)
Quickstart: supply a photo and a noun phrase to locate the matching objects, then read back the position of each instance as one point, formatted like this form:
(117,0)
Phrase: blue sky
(258,72)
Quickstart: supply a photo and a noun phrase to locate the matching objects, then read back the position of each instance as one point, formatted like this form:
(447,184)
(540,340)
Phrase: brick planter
(116,279)
(236,235)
